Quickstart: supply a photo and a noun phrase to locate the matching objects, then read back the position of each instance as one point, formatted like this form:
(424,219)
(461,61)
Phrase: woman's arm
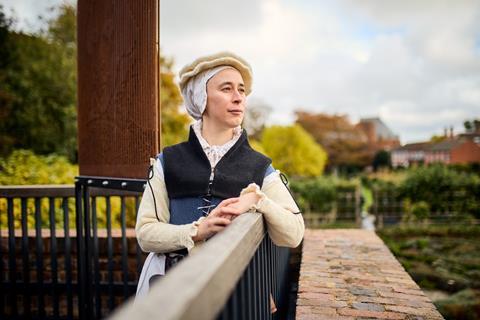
(278,207)
(160,236)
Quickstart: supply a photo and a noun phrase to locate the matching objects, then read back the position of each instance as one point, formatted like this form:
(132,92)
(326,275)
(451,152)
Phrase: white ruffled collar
(215,153)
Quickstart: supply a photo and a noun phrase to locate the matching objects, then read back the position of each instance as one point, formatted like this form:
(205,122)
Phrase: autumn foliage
(294,151)
(345,143)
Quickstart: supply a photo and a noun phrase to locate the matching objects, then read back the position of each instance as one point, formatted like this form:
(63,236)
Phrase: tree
(294,151)
(472,126)
(256,115)
(39,88)
(381,159)
(345,144)
(174,123)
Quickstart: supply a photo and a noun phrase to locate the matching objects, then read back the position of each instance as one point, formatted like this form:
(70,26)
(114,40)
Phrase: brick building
(411,153)
(461,149)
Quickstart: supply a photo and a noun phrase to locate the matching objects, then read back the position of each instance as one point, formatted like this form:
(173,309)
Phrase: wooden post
(118,87)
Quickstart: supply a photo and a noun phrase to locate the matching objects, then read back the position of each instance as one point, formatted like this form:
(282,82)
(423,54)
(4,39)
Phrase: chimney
(451,132)
(445,132)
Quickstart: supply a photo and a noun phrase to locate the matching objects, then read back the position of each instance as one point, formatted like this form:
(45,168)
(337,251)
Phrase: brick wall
(466,153)
(351,274)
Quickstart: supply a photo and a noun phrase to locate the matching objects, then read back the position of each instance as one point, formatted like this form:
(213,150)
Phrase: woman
(199,186)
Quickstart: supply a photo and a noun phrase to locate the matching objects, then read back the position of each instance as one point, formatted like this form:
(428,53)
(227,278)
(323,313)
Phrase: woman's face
(226,98)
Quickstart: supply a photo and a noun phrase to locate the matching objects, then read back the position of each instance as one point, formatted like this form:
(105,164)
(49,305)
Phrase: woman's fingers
(226,202)
(224,205)
(229,211)
(219,221)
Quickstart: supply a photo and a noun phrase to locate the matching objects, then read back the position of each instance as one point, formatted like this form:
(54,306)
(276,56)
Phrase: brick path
(351,274)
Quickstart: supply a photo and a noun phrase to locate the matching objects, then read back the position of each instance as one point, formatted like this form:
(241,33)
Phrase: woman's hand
(246,201)
(218,219)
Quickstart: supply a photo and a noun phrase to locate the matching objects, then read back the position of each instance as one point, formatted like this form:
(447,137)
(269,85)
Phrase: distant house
(411,153)
(453,151)
(379,136)
(462,148)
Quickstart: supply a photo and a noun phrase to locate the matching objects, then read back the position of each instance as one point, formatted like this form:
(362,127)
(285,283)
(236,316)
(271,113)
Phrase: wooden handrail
(200,285)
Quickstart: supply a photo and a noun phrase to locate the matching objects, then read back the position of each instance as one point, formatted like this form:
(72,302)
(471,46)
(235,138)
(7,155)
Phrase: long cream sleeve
(160,236)
(277,205)
(285,224)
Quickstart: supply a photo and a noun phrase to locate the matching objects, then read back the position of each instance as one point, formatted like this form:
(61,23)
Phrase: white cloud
(26,12)
(414,63)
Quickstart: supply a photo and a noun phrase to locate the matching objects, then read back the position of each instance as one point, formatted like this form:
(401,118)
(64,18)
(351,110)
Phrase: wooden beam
(118,86)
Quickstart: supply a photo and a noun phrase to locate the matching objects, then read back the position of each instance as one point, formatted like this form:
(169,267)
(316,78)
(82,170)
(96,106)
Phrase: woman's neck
(215,135)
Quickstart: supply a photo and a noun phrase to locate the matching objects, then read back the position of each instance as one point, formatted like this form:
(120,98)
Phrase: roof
(381,129)
(445,145)
(419,146)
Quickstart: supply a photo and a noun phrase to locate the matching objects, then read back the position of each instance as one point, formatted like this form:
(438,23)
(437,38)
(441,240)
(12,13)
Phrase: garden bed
(444,261)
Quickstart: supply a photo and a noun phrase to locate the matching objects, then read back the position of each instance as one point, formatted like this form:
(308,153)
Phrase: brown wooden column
(118,86)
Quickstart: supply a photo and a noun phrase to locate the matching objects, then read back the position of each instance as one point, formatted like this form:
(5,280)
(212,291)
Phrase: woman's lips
(236,112)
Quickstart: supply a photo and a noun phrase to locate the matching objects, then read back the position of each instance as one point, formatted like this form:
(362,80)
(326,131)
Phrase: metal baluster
(2,280)
(81,272)
(244,295)
(53,257)
(25,261)
(124,249)
(39,258)
(96,260)
(12,264)
(68,257)
(88,259)
(255,287)
(111,302)
(250,290)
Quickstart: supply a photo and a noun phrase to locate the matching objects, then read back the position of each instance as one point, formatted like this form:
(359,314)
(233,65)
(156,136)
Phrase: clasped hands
(220,217)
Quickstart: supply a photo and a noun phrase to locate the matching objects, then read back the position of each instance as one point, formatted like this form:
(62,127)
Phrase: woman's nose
(237,96)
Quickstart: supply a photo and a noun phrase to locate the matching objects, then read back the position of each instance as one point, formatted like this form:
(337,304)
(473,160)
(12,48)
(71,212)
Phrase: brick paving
(351,274)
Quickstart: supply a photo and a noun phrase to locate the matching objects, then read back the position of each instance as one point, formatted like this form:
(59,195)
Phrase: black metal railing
(266,275)
(69,253)
(43,247)
(231,277)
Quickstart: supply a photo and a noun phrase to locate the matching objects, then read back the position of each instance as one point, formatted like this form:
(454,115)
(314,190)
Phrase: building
(379,136)
(411,153)
(461,149)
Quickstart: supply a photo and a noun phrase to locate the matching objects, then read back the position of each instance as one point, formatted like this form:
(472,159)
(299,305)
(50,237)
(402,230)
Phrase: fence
(61,260)
(39,266)
(346,208)
(389,207)
(448,205)
(243,259)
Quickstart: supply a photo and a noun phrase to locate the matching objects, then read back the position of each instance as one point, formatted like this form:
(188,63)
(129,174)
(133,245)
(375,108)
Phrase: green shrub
(421,210)
(321,194)
(315,195)
(443,189)
(23,167)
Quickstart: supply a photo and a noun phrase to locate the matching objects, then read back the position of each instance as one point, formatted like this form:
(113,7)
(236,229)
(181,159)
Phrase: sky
(415,64)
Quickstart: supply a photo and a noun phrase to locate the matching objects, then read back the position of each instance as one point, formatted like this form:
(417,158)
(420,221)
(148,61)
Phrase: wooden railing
(231,277)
